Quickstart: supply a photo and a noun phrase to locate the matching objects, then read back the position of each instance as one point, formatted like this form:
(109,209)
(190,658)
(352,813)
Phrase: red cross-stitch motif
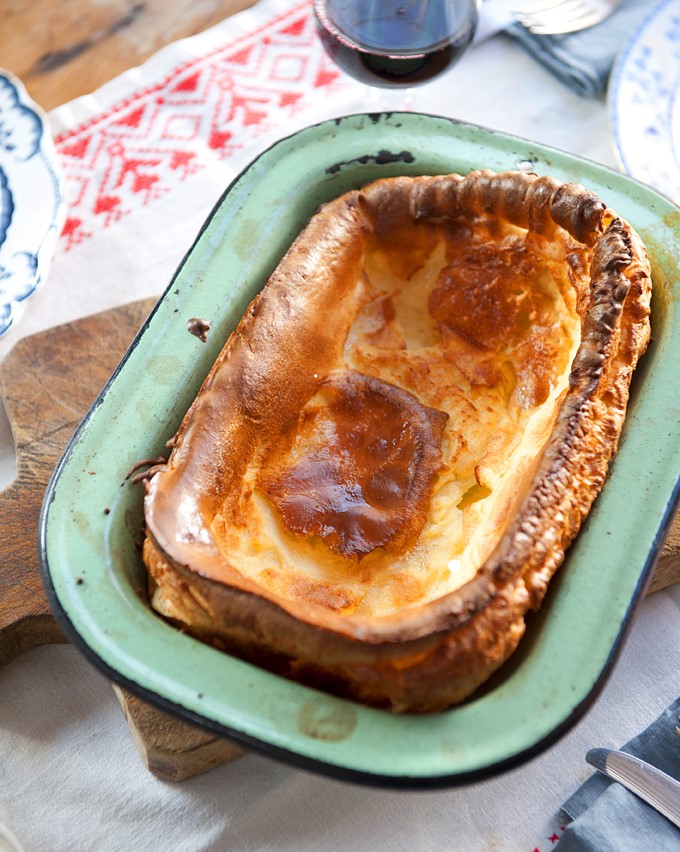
(143,148)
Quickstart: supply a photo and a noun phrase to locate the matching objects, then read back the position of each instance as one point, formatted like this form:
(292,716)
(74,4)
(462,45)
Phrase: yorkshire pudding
(385,465)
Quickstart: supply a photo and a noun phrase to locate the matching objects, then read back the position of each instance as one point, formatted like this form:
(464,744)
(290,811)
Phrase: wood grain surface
(47,383)
(62,49)
(169,748)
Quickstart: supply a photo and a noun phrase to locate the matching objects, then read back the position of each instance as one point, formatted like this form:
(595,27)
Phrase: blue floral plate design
(32,205)
(644,101)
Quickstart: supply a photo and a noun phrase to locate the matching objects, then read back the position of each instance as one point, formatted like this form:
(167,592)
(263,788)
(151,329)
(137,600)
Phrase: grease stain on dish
(247,238)
(83,524)
(145,414)
(449,746)
(162,368)
(325,719)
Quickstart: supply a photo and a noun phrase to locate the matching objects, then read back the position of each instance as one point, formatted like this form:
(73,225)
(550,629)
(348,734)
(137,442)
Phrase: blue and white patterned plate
(644,101)
(32,205)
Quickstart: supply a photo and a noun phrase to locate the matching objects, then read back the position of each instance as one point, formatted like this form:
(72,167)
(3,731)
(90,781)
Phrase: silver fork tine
(562,11)
(588,18)
(539,9)
(550,17)
(575,12)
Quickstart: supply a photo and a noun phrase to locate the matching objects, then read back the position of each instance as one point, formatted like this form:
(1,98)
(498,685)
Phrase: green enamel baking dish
(90,557)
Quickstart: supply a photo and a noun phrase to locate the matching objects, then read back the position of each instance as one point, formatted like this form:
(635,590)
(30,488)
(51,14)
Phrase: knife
(649,783)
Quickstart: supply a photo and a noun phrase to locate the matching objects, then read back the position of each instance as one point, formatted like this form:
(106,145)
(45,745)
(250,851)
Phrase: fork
(552,17)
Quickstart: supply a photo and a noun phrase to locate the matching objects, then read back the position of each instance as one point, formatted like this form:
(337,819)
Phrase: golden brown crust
(235,443)
(359,469)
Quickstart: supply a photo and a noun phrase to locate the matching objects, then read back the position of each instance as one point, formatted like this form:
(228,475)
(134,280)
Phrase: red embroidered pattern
(553,838)
(212,106)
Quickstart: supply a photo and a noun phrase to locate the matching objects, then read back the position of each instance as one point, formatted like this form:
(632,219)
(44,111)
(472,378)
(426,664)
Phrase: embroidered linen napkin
(605,816)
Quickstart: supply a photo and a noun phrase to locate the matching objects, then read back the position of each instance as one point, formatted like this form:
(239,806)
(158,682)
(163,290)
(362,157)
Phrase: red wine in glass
(395,43)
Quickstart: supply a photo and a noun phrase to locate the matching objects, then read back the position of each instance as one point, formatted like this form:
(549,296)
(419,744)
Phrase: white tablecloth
(144,159)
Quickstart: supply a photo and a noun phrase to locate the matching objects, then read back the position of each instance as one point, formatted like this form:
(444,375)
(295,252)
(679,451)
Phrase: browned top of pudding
(359,468)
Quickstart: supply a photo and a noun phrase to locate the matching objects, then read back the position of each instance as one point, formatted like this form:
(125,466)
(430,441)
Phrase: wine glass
(395,44)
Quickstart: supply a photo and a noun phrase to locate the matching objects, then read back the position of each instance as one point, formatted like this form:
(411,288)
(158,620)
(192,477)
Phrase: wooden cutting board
(47,383)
